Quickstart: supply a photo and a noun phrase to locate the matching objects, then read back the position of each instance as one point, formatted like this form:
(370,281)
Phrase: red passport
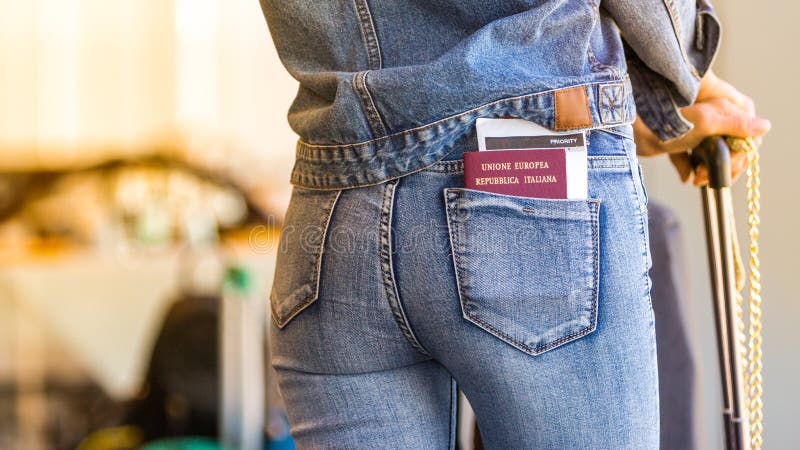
(538,173)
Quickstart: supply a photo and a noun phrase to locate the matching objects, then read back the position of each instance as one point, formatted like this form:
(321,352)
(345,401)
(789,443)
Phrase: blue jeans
(387,297)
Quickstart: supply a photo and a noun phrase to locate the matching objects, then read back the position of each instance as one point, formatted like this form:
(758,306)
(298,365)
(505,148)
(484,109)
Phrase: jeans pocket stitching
(454,242)
(312,286)
(467,305)
(387,268)
(311,295)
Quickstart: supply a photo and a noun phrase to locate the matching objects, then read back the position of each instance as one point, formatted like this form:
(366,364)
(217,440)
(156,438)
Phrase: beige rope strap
(750,342)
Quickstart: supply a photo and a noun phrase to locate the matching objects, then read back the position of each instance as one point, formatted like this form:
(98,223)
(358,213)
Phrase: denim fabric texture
(388,86)
(388,296)
(395,284)
(550,253)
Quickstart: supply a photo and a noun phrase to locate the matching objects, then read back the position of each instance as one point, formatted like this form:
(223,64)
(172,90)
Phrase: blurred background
(144,165)
(757,42)
(144,162)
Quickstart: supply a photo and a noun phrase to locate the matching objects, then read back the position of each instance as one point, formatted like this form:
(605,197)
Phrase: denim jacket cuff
(655,104)
(660,94)
(704,45)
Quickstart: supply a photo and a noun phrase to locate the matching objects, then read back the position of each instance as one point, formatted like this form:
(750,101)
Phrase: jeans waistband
(610,104)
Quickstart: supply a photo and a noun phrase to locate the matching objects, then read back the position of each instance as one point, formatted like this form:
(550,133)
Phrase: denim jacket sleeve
(668,49)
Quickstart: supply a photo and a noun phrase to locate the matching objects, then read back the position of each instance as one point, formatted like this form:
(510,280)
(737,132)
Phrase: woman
(394,284)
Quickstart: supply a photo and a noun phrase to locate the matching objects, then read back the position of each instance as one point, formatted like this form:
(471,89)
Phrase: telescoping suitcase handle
(739,354)
(715,154)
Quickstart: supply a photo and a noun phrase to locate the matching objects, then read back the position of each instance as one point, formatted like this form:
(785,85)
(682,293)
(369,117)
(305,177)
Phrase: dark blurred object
(676,375)
(180,396)
(180,393)
(73,408)
(18,188)
(676,372)
(146,201)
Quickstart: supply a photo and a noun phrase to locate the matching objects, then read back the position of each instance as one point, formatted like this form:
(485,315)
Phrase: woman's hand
(719,109)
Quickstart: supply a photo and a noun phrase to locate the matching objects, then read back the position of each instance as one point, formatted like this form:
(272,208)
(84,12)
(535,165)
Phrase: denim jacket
(387,87)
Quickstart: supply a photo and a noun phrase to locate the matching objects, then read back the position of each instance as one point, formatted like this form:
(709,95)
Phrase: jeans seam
(368,34)
(370,110)
(606,166)
(596,162)
(387,268)
(449,166)
(453,432)
(638,186)
(616,133)
(304,147)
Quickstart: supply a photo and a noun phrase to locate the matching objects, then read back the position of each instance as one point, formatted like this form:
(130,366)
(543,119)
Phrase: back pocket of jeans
(302,240)
(527,268)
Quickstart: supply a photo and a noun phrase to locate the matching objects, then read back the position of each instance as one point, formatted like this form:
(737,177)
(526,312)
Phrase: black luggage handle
(715,154)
